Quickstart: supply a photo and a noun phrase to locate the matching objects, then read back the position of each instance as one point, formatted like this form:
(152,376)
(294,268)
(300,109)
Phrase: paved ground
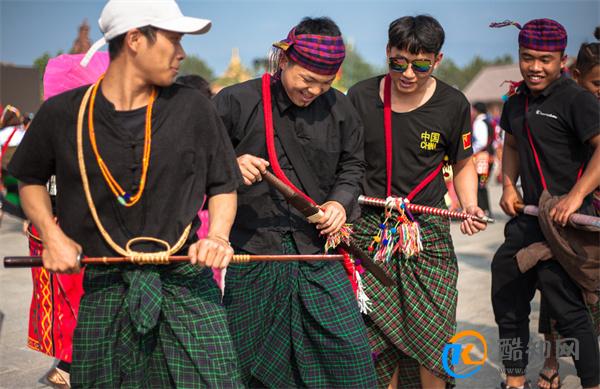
(22,368)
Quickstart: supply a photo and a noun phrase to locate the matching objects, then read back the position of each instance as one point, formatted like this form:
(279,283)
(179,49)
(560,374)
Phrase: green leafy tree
(355,69)
(40,64)
(193,64)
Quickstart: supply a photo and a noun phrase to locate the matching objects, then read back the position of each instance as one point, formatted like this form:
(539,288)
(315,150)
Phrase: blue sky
(29,28)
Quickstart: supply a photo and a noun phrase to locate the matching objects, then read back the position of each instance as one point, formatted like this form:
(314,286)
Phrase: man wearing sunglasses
(413,123)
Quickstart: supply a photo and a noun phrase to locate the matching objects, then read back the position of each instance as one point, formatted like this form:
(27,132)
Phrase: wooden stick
(12,262)
(575,218)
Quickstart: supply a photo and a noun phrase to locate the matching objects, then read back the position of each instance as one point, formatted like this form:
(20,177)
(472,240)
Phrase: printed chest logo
(429,140)
(548,115)
(466,138)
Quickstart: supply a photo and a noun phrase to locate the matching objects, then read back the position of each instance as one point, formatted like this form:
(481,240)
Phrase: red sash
(270,140)
(387,124)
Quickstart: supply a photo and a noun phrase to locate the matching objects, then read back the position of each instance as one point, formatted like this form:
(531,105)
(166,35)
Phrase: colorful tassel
(513,87)
(343,235)
(396,234)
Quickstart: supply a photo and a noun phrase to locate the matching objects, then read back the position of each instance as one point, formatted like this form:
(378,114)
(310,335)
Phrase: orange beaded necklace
(124,198)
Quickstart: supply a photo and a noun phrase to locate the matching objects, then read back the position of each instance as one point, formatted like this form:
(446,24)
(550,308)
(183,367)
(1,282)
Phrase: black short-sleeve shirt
(561,119)
(191,156)
(329,136)
(420,140)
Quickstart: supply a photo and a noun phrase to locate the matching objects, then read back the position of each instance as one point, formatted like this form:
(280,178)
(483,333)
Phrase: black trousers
(483,200)
(512,292)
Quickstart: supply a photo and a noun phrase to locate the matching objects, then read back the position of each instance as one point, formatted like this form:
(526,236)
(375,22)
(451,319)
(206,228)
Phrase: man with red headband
(551,129)
(296,324)
(414,124)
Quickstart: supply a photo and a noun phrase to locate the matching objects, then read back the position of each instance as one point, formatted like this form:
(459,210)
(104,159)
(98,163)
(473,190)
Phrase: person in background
(483,152)
(586,73)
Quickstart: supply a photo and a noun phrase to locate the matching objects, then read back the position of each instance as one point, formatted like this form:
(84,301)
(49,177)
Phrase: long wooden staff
(575,218)
(416,208)
(313,213)
(13,262)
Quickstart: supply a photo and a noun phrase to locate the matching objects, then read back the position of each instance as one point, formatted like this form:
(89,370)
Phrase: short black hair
(589,55)
(320,26)
(115,45)
(480,107)
(197,82)
(416,34)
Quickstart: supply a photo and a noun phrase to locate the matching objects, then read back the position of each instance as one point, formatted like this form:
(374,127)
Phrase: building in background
(234,74)
(20,86)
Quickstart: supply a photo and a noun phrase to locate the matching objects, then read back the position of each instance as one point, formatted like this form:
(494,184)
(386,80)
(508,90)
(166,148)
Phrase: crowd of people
(135,156)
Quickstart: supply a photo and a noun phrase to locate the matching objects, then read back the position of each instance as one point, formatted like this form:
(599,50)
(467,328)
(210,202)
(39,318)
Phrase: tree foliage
(40,62)
(193,64)
(355,69)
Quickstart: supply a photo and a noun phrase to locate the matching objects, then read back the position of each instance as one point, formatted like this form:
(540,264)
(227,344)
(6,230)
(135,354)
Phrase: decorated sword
(423,209)
(313,214)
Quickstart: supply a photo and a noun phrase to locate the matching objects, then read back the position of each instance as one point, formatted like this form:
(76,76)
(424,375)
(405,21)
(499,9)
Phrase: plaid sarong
(297,324)
(152,327)
(411,322)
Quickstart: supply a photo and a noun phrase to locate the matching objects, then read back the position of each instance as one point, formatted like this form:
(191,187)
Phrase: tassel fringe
(396,234)
(343,235)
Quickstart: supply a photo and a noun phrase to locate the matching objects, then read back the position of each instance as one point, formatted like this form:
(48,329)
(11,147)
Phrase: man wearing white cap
(133,155)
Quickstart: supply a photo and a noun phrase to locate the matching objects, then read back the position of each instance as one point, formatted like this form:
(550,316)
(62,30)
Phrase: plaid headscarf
(321,54)
(539,34)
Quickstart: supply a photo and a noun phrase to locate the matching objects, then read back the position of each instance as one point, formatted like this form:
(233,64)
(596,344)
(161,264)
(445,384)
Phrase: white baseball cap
(120,16)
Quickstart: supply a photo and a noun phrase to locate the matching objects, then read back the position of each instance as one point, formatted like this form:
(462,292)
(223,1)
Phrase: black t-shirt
(420,140)
(561,120)
(191,156)
(329,137)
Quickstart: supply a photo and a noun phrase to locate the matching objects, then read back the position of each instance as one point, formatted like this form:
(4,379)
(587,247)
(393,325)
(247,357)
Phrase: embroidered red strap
(270,137)
(387,124)
(535,154)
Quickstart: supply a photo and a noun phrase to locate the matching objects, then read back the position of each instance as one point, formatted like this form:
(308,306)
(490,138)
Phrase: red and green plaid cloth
(188,346)
(297,324)
(410,323)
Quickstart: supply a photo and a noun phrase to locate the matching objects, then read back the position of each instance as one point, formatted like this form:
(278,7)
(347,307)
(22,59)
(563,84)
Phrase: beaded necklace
(134,256)
(124,198)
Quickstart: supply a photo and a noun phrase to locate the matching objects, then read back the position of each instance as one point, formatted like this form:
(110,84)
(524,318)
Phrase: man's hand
(212,252)
(470,226)
(334,217)
(60,252)
(252,168)
(510,197)
(565,207)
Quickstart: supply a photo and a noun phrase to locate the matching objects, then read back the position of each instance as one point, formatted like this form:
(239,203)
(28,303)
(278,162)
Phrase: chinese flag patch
(466,140)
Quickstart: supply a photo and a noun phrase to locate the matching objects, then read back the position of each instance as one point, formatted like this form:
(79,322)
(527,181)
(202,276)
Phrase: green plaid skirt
(152,327)
(411,322)
(297,324)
